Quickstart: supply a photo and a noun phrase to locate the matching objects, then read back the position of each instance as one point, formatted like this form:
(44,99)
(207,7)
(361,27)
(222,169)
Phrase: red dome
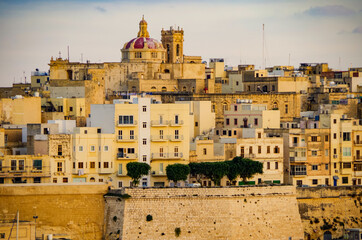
(139,43)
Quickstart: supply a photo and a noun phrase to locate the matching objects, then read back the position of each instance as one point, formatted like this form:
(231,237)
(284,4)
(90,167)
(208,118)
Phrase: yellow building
(20,110)
(145,131)
(25,169)
(93,155)
(39,79)
(26,229)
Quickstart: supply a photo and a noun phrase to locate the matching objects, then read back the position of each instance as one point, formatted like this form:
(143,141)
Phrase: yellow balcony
(159,138)
(128,124)
(131,138)
(158,123)
(176,138)
(176,123)
(158,173)
(121,156)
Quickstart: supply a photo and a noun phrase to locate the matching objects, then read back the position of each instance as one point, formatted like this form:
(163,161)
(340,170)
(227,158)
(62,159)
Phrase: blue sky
(309,31)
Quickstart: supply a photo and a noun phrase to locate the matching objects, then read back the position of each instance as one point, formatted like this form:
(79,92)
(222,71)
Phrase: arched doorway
(327,235)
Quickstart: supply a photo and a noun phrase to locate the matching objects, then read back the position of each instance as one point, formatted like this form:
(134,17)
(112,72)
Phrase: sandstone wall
(330,209)
(204,213)
(74,210)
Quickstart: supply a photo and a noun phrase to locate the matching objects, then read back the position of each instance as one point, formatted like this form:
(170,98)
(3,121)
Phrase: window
(21,165)
(299,182)
(80,165)
(80,149)
(176,119)
(55,180)
(268,165)
(314,181)
(120,184)
(100,180)
(131,134)
(92,165)
(59,166)
(298,170)
(227,121)
(177,136)
(144,108)
(127,119)
(235,108)
(259,149)
(345,180)
(154,55)
(334,150)
(314,167)
(276,149)
(334,135)
(13,165)
(347,165)
(144,158)
(161,151)
(314,153)
(161,134)
(286,108)
(105,165)
(105,148)
(326,138)
(235,121)
(346,136)
(326,152)
(37,180)
(326,166)
(196,124)
(60,150)
(346,151)
(65,180)
(120,169)
(259,135)
(144,141)
(250,150)
(334,121)
(276,165)
(175,151)
(70,109)
(161,167)
(130,150)
(92,148)
(314,138)
(335,165)
(38,164)
(1,165)
(138,55)
(255,121)
(204,151)
(144,124)
(268,149)
(99,130)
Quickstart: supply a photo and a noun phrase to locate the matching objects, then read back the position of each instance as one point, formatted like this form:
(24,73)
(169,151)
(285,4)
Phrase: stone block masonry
(204,213)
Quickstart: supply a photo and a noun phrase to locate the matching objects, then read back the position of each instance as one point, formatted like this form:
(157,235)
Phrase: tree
(232,174)
(215,171)
(136,170)
(177,172)
(246,168)
(196,170)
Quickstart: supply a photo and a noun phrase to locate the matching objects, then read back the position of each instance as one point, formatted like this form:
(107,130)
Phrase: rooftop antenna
(68,53)
(81,57)
(60,54)
(262,64)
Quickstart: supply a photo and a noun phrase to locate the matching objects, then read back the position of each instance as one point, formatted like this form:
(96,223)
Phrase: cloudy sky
(300,30)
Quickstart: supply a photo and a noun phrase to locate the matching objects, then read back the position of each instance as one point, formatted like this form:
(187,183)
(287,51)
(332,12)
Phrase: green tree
(215,171)
(136,170)
(246,168)
(196,170)
(177,172)
(232,173)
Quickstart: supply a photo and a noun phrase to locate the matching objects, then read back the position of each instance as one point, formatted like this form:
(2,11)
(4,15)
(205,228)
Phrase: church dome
(139,43)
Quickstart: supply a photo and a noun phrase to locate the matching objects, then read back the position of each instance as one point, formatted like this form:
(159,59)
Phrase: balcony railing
(174,155)
(26,171)
(158,173)
(176,123)
(128,124)
(176,138)
(159,138)
(158,123)
(127,155)
(122,138)
(357,142)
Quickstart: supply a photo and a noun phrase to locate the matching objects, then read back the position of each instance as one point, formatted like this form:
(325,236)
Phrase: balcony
(128,124)
(121,156)
(159,138)
(298,159)
(174,155)
(357,143)
(174,123)
(27,171)
(176,138)
(158,123)
(158,173)
(131,138)
(159,156)
(357,158)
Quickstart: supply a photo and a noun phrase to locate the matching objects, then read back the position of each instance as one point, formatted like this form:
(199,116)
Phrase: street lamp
(35,217)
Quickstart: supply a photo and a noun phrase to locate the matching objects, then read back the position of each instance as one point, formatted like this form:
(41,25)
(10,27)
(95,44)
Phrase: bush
(177,172)
(177,232)
(149,218)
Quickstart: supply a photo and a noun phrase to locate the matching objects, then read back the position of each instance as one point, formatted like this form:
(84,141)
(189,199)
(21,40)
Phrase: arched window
(167,71)
(164,89)
(92,179)
(184,89)
(134,89)
(275,106)
(178,50)
(168,52)
(153,89)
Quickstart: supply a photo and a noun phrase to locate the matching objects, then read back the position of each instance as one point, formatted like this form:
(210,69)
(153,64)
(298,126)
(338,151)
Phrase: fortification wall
(204,213)
(329,209)
(74,210)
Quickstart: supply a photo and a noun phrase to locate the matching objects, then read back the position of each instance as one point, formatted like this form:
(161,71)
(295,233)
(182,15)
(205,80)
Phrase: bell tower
(172,41)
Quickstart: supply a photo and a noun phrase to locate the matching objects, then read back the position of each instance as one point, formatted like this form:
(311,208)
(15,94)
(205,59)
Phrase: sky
(295,31)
